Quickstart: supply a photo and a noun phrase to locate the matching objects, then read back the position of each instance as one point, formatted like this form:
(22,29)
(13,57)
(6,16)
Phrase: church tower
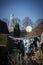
(11,24)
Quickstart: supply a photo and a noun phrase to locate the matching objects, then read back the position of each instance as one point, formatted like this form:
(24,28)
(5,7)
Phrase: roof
(3,27)
(37,31)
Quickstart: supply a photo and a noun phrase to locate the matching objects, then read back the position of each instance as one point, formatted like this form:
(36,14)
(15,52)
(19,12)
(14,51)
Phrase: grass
(3,39)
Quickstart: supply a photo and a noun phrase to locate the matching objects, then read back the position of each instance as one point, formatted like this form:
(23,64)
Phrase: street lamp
(28,28)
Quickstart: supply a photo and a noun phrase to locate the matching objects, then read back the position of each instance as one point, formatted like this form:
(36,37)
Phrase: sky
(21,9)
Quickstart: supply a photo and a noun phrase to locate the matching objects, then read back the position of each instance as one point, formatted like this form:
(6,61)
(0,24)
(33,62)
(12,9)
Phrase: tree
(38,21)
(27,21)
(17,20)
(6,21)
(16,30)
